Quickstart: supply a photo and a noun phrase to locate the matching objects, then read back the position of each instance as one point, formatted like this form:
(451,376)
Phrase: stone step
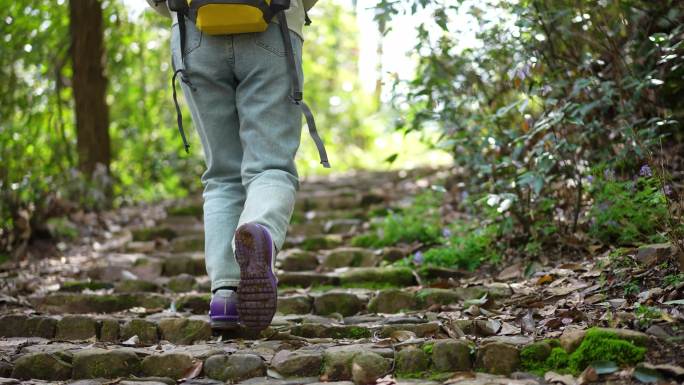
(323,300)
(303,361)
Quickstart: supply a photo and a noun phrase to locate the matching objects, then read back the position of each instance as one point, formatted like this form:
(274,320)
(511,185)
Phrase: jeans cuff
(225,282)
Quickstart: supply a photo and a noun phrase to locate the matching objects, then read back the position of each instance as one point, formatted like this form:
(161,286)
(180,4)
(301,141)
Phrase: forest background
(564,118)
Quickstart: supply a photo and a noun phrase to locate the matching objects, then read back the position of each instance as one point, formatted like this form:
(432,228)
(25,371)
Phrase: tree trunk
(89,85)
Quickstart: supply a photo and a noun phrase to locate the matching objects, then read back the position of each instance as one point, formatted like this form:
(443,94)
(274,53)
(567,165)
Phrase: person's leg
(270,129)
(209,64)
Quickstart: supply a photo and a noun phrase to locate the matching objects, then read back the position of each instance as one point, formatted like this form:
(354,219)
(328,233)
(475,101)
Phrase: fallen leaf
(647,375)
(402,335)
(193,371)
(511,272)
(545,279)
(135,340)
(527,323)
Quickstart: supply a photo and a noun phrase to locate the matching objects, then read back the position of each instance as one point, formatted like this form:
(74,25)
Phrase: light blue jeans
(250,132)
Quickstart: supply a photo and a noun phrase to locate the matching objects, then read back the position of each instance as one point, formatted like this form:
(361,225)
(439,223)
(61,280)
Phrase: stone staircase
(134,308)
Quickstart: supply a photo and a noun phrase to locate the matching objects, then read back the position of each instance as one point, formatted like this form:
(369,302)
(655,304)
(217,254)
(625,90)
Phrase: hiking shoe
(223,312)
(257,293)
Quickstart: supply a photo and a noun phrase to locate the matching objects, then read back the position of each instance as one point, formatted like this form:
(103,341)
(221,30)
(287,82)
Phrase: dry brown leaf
(545,279)
(553,377)
(193,371)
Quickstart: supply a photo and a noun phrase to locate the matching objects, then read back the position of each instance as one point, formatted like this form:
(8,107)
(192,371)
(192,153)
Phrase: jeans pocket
(271,40)
(193,38)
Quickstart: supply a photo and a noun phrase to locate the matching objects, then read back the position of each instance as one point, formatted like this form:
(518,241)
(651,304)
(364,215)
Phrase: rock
(337,363)
(184,331)
(182,283)
(147,268)
(392,301)
(41,366)
(393,276)
(6,370)
(145,330)
(294,304)
(136,286)
(498,358)
(76,327)
(341,226)
(412,360)
(421,330)
(349,257)
(651,254)
(173,365)
(316,330)
(187,243)
(306,279)
(236,367)
(195,303)
(337,302)
(320,242)
(367,367)
(79,286)
(572,338)
(393,254)
(297,363)
(16,325)
(76,303)
(152,233)
(297,260)
(109,330)
(518,341)
(101,363)
(436,273)
(434,296)
(451,356)
(183,264)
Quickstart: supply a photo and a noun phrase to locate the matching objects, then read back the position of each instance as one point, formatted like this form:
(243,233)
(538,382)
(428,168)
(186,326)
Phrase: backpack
(226,17)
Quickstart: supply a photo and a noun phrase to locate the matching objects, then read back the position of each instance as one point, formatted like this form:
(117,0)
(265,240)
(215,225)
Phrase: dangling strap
(297,94)
(181,71)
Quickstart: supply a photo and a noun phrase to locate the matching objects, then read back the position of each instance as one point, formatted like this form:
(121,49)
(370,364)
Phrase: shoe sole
(257,292)
(225,325)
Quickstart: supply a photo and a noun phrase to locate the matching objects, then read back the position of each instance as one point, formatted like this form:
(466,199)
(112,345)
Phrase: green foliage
(673,279)
(647,314)
(549,90)
(628,212)
(419,222)
(466,250)
(604,346)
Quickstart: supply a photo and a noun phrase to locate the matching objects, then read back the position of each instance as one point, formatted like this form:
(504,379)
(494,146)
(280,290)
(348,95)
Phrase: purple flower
(418,258)
(446,233)
(590,179)
(646,171)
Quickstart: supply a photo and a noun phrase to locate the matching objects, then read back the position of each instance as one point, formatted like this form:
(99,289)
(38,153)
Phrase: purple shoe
(223,310)
(258,292)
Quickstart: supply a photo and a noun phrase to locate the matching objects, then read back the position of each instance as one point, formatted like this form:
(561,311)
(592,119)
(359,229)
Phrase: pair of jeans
(239,97)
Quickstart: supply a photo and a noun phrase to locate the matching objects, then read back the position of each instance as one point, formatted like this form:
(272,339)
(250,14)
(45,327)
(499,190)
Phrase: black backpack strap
(297,94)
(181,71)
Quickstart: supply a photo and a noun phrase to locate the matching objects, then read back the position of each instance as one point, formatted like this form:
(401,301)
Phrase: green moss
(77,286)
(152,233)
(356,332)
(188,210)
(597,345)
(604,346)
(426,375)
(427,348)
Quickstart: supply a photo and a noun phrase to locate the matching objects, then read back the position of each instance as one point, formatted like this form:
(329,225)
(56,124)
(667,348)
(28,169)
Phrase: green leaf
(390,159)
(647,375)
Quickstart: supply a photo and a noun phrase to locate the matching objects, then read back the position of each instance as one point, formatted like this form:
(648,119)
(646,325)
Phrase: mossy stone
(607,345)
(136,286)
(184,331)
(101,363)
(196,210)
(76,327)
(41,366)
(297,260)
(412,360)
(350,257)
(172,365)
(451,356)
(392,301)
(182,283)
(498,358)
(183,264)
(337,364)
(79,286)
(436,296)
(234,368)
(320,242)
(92,303)
(145,330)
(295,304)
(40,326)
(109,330)
(346,304)
(395,276)
(187,243)
(152,233)
(367,367)
(195,303)
(297,363)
